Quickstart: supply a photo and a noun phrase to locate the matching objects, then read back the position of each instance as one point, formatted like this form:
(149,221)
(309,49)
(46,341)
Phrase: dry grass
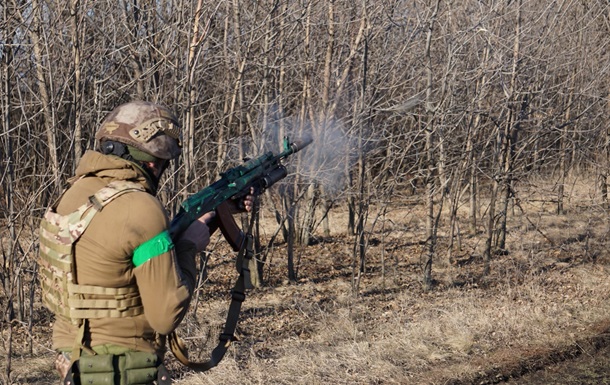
(413,337)
(549,293)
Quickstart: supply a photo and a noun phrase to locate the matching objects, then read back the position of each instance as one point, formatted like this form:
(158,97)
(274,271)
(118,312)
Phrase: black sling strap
(238,295)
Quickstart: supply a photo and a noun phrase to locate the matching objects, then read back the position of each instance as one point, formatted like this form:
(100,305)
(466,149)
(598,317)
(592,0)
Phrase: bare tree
(431,223)
(7,178)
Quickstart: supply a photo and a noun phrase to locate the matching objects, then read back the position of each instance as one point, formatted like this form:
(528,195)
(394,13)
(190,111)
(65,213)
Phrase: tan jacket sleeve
(166,281)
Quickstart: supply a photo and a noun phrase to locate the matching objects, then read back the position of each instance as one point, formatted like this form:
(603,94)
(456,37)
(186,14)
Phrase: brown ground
(544,308)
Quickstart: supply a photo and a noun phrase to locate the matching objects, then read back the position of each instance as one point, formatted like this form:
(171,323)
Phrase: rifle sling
(238,296)
(226,337)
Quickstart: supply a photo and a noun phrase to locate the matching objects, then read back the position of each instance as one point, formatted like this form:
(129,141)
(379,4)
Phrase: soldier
(116,281)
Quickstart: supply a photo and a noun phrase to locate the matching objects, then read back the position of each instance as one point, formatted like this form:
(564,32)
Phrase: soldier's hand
(248,201)
(198,232)
(243,204)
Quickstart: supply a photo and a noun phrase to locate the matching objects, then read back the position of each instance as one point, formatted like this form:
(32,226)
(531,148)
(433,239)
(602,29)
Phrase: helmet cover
(148,127)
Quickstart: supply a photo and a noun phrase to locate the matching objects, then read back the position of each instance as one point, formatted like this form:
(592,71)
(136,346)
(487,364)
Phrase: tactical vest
(61,292)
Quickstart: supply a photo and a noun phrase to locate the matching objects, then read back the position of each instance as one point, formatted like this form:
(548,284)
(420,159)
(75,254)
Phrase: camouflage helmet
(147,129)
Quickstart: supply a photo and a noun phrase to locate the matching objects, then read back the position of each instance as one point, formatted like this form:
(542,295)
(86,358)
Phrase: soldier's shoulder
(139,201)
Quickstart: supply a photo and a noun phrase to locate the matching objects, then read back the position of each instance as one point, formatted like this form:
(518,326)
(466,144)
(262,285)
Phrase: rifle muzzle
(300,144)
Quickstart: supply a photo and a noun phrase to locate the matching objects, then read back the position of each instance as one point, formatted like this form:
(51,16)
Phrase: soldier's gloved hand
(198,232)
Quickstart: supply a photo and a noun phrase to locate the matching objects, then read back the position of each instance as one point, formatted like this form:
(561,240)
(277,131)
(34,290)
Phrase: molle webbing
(102,302)
(60,291)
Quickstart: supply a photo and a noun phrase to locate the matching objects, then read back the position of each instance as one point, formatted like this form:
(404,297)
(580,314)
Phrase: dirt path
(585,362)
(587,369)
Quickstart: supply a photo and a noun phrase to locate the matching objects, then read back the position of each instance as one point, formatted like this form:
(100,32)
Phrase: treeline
(457,98)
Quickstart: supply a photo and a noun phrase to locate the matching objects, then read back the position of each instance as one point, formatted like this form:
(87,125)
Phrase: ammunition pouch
(129,368)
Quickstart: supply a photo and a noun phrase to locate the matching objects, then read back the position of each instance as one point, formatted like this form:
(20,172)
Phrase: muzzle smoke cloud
(326,161)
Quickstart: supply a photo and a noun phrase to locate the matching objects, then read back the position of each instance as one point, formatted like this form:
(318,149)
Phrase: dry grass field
(546,301)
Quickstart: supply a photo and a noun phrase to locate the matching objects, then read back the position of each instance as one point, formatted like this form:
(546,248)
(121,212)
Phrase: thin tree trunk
(474,194)
(292,277)
(188,154)
(133,16)
(491,217)
(606,150)
(238,91)
(430,112)
(359,253)
(224,127)
(512,128)
(44,87)
(606,133)
(473,156)
(565,147)
(6,157)
(304,233)
(77,97)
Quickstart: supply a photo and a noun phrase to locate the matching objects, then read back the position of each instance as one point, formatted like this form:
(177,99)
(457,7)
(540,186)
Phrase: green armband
(156,246)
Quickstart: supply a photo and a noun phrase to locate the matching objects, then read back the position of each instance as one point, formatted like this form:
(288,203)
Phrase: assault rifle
(260,174)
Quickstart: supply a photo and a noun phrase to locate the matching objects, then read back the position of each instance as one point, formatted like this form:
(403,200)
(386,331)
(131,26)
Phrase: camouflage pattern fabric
(60,291)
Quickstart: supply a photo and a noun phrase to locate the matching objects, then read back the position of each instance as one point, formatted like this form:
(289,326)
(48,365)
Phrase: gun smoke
(325,162)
